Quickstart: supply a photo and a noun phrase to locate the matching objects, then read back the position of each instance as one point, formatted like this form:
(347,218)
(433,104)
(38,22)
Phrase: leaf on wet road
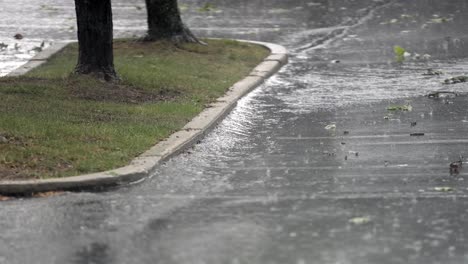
(360,220)
(440,20)
(443,189)
(407,108)
(456,79)
(399,53)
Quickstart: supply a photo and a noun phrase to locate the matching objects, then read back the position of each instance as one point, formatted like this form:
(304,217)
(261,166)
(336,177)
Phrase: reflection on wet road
(271,184)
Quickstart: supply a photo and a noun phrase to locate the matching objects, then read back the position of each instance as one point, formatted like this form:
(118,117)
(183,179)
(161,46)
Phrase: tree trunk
(94,20)
(165,22)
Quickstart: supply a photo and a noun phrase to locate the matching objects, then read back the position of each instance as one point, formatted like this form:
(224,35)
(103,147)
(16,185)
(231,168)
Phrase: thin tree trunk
(165,22)
(94,20)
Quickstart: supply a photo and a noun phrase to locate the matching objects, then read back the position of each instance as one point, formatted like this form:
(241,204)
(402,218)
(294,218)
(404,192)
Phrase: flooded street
(339,158)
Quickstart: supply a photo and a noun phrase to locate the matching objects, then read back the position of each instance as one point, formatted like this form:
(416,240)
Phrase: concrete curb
(143,165)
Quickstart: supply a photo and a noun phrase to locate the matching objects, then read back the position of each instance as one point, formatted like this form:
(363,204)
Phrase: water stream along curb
(142,166)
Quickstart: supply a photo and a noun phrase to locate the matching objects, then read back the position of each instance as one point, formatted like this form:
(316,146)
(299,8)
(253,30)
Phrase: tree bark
(165,22)
(94,20)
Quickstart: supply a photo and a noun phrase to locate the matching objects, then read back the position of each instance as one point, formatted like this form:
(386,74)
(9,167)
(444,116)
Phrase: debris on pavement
(439,94)
(400,53)
(456,166)
(440,20)
(39,48)
(456,79)
(407,108)
(443,189)
(413,124)
(330,127)
(426,56)
(18,36)
(360,220)
(417,134)
(431,72)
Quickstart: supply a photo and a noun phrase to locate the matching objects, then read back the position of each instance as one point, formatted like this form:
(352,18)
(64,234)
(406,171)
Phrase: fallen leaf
(457,79)
(440,20)
(360,220)
(431,72)
(399,53)
(408,108)
(443,189)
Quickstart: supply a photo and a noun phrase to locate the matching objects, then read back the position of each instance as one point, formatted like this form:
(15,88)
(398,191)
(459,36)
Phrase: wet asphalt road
(270,184)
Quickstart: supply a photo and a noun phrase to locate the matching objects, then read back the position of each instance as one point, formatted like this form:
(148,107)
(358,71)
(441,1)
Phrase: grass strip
(53,124)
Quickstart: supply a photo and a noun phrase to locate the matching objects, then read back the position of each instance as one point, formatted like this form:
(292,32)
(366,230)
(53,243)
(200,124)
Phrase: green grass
(53,124)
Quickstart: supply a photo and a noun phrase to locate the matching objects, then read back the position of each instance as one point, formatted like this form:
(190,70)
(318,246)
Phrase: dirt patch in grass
(7,174)
(118,93)
(11,140)
(32,169)
(31,165)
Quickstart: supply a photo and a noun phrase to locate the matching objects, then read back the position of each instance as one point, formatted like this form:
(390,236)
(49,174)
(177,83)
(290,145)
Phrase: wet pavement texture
(312,167)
